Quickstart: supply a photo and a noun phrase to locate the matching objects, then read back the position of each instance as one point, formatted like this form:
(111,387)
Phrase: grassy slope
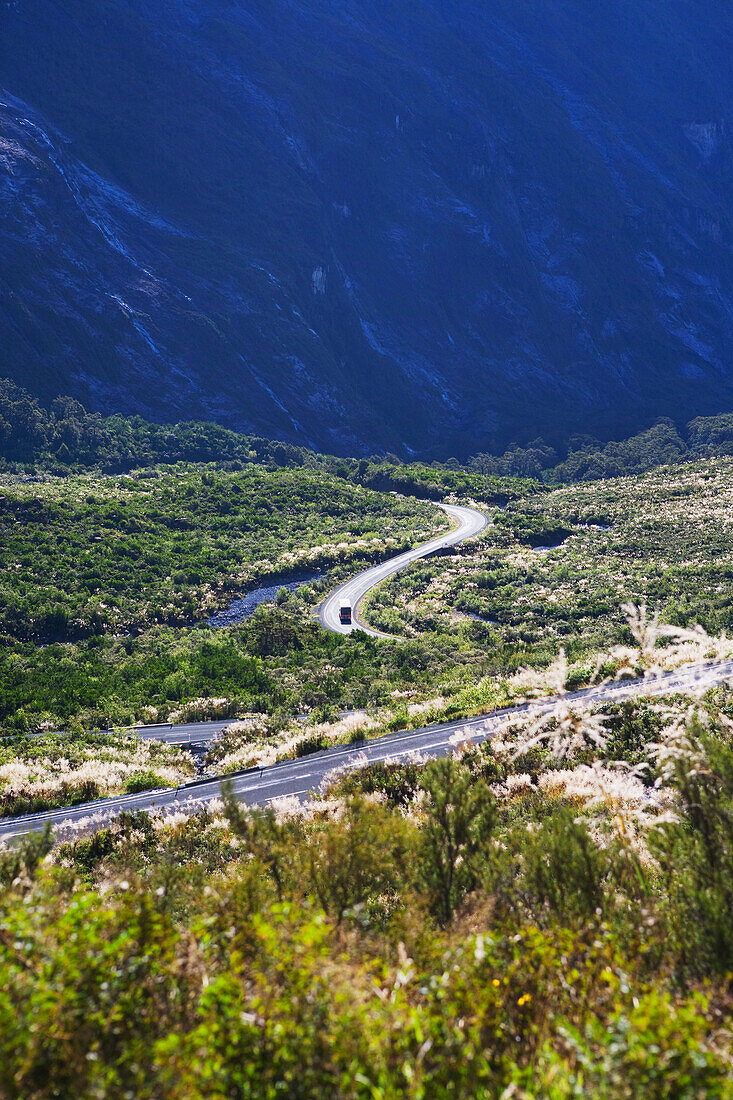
(669,543)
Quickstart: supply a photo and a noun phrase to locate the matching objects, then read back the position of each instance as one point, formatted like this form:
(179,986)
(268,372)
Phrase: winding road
(301,777)
(350,593)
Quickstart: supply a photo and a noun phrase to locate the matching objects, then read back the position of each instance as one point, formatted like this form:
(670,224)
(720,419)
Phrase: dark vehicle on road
(345,614)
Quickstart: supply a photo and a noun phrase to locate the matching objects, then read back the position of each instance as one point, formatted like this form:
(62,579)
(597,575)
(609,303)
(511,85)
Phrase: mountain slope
(438,226)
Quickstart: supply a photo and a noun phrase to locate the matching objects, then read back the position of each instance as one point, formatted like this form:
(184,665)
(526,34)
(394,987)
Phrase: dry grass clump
(257,742)
(56,772)
(203,709)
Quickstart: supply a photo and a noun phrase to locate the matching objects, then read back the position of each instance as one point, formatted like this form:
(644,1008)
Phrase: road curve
(300,777)
(470,523)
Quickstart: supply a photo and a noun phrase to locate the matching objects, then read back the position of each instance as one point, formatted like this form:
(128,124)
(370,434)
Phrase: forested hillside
(64,436)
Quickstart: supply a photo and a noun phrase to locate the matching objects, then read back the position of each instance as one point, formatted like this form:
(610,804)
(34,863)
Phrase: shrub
(564,869)
(143,781)
(459,819)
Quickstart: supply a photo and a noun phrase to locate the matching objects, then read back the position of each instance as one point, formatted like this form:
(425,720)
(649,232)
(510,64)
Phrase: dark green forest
(67,436)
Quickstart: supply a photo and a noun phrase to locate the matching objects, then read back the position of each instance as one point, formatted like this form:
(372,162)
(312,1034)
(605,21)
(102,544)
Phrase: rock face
(439,226)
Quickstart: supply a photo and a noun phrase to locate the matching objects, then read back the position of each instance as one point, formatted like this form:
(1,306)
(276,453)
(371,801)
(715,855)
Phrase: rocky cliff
(432,226)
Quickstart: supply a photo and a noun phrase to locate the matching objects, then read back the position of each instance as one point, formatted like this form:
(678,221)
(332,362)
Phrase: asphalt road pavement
(469,523)
(301,777)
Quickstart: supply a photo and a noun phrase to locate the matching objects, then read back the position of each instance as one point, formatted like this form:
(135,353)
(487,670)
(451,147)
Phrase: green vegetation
(546,916)
(461,929)
(587,459)
(667,544)
(663,538)
(67,438)
(89,555)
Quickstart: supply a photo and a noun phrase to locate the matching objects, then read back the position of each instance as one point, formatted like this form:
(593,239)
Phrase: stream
(245,606)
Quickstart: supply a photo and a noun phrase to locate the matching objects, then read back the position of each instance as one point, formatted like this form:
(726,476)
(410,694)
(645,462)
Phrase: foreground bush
(418,935)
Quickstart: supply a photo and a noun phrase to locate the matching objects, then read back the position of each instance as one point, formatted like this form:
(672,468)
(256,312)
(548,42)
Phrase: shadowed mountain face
(363,224)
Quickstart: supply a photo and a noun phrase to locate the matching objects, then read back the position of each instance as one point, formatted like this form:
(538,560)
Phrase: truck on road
(345,615)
